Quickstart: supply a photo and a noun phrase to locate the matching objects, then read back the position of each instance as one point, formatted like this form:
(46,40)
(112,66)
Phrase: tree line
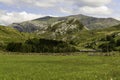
(40,46)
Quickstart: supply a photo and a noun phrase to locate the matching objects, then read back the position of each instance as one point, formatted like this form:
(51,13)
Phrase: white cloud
(66,10)
(67,7)
(96,2)
(39,3)
(88,7)
(102,10)
(118,18)
(7,1)
(51,3)
(12,17)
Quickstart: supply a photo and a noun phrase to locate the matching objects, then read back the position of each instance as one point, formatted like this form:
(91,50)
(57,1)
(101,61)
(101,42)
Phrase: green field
(51,67)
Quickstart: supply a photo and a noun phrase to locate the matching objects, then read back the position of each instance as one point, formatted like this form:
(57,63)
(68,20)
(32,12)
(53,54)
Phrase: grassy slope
(96,35)
(8,34)
(36,67)
(81,38)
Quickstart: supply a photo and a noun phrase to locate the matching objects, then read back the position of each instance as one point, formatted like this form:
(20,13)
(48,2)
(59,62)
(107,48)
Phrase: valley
(62,50)
(59,40)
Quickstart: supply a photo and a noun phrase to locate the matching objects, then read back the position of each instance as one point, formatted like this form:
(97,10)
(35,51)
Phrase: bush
(14,47)
(117,48)
(118,42)
(105,47)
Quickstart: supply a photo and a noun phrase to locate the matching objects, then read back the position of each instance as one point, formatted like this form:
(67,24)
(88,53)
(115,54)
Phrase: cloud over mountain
(11,17)
(32,8)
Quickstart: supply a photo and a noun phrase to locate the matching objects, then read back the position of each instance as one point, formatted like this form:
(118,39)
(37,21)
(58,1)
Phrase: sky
(14,11)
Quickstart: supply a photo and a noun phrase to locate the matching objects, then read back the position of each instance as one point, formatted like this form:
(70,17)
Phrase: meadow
(58,67)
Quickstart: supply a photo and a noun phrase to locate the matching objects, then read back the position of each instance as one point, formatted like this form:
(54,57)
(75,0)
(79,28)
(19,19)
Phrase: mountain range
(41,24)
(77,30)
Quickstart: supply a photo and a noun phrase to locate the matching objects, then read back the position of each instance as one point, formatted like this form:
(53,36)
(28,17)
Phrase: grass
(48,67)
(9,34)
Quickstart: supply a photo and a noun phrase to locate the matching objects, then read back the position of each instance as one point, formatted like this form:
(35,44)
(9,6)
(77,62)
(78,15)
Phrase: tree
(14,47)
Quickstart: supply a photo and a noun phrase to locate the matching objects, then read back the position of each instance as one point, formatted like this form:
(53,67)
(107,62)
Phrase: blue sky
(12,11)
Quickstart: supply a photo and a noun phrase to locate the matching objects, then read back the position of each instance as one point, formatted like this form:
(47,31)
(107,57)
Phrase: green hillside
(77,30)
(109,40)
(9,34)
(81,31)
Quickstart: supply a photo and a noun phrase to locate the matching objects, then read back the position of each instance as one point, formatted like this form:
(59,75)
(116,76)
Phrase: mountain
(42,24)
(78,30)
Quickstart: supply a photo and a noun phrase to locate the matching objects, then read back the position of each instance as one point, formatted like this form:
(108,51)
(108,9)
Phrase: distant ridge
(44,22)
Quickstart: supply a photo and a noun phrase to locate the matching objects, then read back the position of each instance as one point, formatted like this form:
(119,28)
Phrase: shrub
(14,47)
